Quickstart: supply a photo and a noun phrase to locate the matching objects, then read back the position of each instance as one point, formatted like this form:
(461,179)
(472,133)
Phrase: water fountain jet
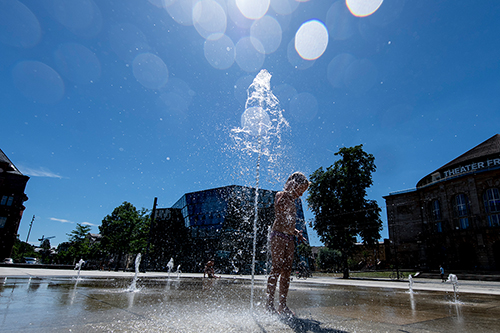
(78,266)
(454,281)
(260,133)
(410,283)
(133,286)
(170,266)
(178,271)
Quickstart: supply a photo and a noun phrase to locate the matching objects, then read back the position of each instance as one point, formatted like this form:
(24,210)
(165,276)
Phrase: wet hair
(297,179)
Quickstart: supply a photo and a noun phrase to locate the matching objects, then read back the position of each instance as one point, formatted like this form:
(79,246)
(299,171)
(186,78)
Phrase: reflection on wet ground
(223,305)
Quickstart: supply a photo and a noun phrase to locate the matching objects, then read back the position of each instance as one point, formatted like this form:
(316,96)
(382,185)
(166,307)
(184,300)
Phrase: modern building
(452,217)
(12,197)
(216,224)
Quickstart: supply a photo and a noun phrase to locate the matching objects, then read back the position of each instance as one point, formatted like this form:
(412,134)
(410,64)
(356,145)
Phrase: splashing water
(78,266)
(133,286)
(454,281)
(170,266)
(260,135)
(261,132)
(235,269)
(178,271)
(410,284)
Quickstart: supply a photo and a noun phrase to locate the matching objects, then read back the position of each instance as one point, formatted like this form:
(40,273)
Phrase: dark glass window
(6,200)
(461,208)
(436,210)
(491,200)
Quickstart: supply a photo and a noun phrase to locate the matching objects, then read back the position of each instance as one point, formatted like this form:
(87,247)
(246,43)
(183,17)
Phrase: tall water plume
(259,143)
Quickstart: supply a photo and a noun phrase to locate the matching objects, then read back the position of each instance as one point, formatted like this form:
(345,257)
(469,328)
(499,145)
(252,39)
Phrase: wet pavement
(44,300)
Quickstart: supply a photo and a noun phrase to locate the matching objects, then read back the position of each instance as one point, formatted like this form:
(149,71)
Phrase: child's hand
(300,238)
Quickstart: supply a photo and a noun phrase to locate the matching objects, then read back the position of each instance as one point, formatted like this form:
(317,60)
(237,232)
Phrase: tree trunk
(118,262)
(346,265)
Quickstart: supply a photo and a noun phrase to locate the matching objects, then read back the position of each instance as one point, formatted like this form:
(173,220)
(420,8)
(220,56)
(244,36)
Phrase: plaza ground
(51,300)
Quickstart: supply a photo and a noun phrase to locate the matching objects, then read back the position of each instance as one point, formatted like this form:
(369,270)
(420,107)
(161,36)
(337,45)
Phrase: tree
(337,199)
(80,242)
(65,253)
(304,250)
(124,231)
(329,259)
(22,249)
(46,252)
(79,234)
(78,246)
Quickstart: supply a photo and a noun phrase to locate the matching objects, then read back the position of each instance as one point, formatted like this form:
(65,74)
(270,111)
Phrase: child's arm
(300,238)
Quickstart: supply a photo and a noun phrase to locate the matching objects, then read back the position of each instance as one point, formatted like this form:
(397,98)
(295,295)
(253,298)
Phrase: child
(209,270)
(282,243)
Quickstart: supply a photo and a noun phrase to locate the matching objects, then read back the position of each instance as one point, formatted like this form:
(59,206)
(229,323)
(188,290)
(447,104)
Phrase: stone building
(452,217)
(12,197)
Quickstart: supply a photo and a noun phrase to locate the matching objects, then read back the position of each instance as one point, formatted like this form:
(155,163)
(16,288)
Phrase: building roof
(480,152)
(488,147)
(6,165)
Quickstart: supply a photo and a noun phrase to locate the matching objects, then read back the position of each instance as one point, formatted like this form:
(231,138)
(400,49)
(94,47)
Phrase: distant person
(209,269)
(282,242)
(441,271)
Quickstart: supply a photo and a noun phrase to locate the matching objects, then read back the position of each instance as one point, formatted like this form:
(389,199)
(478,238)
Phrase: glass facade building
(204,212)
(218,224)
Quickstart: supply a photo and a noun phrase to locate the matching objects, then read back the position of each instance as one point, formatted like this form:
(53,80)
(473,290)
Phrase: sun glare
(362,8)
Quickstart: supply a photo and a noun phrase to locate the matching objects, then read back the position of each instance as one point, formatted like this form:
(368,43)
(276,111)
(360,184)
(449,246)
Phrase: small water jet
(133,285)
(78,266)
(410,284)
(235,268)
(178,271)
(170,266)
(454,281)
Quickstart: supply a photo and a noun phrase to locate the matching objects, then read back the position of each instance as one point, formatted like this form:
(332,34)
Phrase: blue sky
(127,100)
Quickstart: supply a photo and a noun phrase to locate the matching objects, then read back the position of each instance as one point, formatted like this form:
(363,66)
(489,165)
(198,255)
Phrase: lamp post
(29,231)
(146,255)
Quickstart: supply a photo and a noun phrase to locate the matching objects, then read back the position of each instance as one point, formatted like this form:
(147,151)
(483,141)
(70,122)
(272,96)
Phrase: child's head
(297,182)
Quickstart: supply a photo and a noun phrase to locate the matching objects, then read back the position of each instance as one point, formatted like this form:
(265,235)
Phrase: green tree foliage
(141,231)
(46,252)
(79,235)
(80,242)
(78,246)
(65,253)
(337,199)
(303,253)
(304,250)
(124,231)
(328,259)
(22,249)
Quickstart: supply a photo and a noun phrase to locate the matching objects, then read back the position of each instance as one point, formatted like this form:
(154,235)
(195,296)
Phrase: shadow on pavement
(308,325)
